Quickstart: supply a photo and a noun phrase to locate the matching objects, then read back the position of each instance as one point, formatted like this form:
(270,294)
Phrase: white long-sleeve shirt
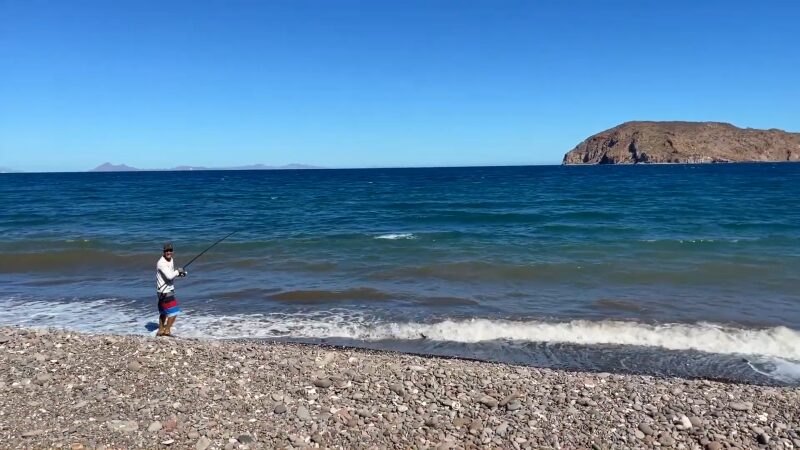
(165,275)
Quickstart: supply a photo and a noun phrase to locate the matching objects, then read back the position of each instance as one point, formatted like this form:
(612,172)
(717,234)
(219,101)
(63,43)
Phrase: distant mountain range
(108,167)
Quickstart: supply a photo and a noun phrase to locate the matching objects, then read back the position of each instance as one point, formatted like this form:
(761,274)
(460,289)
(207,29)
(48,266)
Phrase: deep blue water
(595,267)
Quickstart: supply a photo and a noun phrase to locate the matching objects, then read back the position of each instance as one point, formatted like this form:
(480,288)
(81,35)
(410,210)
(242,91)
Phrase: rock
(276,396)
(696,421)
(203,443)
(508,398)
(514,405)
(645,428)
(323,383)
(193,435)
(154,426)
(302,413)
(502,429)
(488,400)
(170,425)
(714,445)
(684,142)
(280,408)
(685,422)
(763,438)
(245,439)
(459,422)
(168,442)
(666,440)
(741,406)
(42,378)
(638,434)
(125,426)
(475,427)
(134,366)
(32,433)
(325,360)
(397,388)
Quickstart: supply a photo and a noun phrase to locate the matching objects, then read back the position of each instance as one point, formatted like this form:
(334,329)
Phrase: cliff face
(684,142)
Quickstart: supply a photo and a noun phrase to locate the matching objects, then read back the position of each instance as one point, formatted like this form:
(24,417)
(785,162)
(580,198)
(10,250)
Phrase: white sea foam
(396,236)
(777,368)
(775,351)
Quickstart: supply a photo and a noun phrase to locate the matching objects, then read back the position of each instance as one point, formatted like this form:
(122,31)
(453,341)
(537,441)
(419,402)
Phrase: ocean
(665,270)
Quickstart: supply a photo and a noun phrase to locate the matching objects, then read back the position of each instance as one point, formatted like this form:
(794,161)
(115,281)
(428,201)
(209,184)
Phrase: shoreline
(64,389)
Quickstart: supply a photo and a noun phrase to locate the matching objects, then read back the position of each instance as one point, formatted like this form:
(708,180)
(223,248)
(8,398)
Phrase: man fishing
(168,308)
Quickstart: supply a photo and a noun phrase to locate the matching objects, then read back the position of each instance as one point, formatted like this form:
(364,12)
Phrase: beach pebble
(488,400)
(154,426)
(645,428)
(202,444)
(125,426)
(666,440)
(502,429)
(280,408)
(302,413)
(31,433)
(43,378)
(323,383)
(514,405)
(325,360)
(741,406)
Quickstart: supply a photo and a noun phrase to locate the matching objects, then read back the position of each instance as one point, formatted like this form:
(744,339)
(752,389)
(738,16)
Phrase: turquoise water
(597,267)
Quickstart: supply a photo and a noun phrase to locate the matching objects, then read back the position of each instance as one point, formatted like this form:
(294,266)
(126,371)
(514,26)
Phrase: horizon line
(279,169)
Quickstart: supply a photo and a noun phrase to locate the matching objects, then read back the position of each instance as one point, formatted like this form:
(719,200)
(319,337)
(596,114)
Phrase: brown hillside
(684,142)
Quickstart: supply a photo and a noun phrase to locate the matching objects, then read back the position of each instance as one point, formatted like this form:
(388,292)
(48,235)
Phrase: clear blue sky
(155,84)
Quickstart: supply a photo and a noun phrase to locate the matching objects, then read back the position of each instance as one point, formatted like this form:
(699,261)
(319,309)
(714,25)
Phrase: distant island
(108,167)
(685,142)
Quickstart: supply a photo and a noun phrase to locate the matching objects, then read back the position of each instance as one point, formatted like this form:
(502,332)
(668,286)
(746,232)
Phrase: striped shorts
(168,304)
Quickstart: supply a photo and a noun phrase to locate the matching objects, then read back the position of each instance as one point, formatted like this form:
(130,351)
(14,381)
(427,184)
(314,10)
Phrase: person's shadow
(151,326)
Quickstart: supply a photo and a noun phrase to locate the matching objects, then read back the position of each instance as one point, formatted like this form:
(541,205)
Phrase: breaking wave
(772,351)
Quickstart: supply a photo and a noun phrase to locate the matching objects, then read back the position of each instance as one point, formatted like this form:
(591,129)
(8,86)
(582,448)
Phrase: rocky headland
(62,389)
(685,142)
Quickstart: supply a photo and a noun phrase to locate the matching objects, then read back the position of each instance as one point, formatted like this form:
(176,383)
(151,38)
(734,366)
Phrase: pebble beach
(61,389)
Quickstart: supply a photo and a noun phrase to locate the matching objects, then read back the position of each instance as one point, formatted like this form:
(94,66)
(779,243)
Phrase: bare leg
(168,327)
(162,322)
